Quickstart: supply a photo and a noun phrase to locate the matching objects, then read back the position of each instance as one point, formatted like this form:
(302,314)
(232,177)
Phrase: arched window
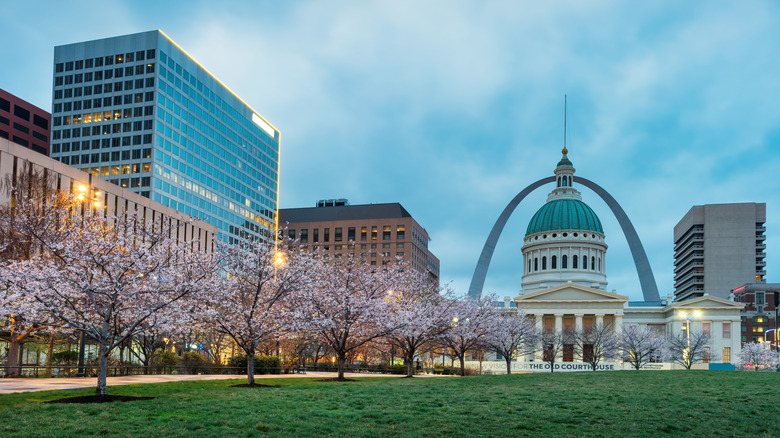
(529,265)
(574,262)
(563,261)
(585,262)
(559,181)
(554,262)
(592,263)
(536,264)
(544,263)
(599,264)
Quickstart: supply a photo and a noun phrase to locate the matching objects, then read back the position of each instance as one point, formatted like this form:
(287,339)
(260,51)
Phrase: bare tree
(552,343)
(597,343)
(688,349)
(641,346)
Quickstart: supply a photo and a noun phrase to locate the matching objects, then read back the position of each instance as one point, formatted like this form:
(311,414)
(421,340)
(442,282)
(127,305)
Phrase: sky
(453,107)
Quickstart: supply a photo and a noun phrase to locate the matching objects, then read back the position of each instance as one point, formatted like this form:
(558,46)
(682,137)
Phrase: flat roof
(342,213)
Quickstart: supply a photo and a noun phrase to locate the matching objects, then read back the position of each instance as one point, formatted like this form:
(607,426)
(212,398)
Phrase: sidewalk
(9,386)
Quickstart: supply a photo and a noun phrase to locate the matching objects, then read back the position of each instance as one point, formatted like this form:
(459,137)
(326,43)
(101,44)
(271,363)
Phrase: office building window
(363,233)
(337,235)
(400,232)
(386,232)
(351,234)
(304,235)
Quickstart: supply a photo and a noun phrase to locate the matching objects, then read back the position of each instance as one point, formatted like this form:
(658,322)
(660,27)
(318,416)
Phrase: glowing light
(278,258)
(259,121)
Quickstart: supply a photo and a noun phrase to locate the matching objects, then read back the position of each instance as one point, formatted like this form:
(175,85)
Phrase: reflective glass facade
(138,111)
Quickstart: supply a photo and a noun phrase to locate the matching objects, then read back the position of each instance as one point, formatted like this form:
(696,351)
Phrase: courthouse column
(618,324)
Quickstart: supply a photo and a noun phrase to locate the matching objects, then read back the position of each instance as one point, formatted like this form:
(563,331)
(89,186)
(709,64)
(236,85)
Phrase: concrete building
(99,195)
(24,123)
(138,111)
(376,233)
(718,247)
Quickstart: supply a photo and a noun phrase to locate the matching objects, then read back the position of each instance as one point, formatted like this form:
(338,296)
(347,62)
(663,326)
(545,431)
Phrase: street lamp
(83,196)
(687,329)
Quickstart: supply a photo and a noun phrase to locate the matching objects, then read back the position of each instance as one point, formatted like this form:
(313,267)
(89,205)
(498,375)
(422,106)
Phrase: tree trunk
(552,366)
(50,352)
(462,364)
(509,365)
(14,353)
(250,368)
(409,365)
(341,359)
(103,373)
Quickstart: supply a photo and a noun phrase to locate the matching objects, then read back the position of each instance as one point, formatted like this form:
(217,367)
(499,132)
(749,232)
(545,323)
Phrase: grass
(625,403)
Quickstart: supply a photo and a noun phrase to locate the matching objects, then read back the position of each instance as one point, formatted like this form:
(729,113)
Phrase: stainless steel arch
(643,269)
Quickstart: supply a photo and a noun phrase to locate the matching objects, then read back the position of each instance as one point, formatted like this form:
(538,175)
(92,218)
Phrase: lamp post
(688,319)
(83,196)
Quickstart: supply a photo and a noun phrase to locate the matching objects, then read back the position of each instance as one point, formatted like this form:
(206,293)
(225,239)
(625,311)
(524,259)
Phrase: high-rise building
(24,123)
(375,233)
(140,112)
(718,247)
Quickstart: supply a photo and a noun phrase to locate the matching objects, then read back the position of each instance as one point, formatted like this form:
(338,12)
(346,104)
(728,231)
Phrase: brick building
(376,233)
(24,123)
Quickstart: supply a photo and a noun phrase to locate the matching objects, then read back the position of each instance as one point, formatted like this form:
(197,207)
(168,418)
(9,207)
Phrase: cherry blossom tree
(252,303)
(512,334)
(32,200)
(597,343)
(687,350)
(471,322)
(111,278)
(348,304)
(641,346)
(421,314)
(758,356)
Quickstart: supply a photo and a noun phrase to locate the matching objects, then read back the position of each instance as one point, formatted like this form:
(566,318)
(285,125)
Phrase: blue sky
(453,107)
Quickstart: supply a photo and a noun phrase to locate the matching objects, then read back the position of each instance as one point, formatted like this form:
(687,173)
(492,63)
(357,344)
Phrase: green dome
(564,214)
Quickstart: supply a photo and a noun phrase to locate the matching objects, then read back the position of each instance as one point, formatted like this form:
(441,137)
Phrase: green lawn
(625,403)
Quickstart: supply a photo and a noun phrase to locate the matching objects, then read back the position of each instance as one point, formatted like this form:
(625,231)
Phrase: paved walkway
(9,386)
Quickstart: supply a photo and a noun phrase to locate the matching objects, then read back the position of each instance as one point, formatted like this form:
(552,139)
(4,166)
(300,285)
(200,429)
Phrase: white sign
(538,367)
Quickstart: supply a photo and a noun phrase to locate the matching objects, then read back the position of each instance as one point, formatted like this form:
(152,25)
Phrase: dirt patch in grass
(254,385)
(99,399)
(336,379)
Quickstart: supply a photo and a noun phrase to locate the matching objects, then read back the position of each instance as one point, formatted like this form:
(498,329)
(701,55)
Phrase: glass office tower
(138,111)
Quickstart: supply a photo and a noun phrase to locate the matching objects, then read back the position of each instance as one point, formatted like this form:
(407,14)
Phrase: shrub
(192,360)
(165,358)
(263,364)
(66,357)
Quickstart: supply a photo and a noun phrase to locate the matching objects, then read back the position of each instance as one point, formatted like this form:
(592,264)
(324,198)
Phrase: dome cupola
(564,240)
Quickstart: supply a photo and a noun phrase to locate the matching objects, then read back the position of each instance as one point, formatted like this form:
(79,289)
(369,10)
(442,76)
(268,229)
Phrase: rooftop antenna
(564,122)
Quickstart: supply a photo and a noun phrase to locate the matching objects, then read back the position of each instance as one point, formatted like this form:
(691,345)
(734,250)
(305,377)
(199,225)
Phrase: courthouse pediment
(570,292)
(706,302)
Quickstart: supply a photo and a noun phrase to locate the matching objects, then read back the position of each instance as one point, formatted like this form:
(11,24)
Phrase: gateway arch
(643,269)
